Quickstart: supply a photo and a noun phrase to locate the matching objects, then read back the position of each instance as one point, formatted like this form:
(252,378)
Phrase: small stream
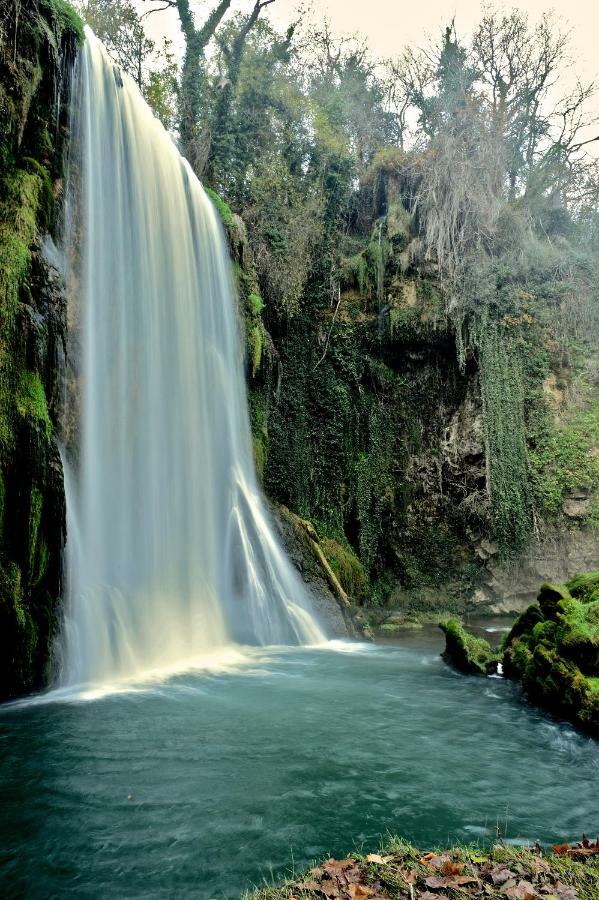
(214,780)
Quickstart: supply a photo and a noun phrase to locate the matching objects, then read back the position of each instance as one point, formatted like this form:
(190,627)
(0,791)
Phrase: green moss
(31,400)
(353,272)
(224,210)
(66,18)
(346,566)
(550,596)
(500,361)
(563,457)
(12,591)
(255,344)
(36,501)
(469,654)
(18,229)
(553,649)
(583,586)
(45,202)
(256,303)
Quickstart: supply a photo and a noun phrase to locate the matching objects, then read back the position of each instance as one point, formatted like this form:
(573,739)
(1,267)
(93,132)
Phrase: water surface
(202,785)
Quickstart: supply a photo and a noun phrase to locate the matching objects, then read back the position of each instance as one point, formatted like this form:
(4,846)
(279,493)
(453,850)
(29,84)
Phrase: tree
(120,28)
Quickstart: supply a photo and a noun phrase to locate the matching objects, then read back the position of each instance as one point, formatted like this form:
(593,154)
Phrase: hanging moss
(18,228)
(505,436)
(224,210)
(36,502)
(66,18)
(31,400)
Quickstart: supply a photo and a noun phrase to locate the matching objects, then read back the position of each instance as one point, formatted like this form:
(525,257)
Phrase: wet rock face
(300,542)
(32,322)
(33,526)
(510,587)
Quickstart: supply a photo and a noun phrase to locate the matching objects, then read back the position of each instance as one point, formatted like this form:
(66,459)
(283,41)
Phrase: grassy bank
(403,872)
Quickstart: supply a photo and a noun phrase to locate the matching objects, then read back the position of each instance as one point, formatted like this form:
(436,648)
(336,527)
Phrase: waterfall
(169,550)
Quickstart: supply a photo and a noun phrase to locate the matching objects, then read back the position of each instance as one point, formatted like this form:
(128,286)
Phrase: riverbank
(402,872)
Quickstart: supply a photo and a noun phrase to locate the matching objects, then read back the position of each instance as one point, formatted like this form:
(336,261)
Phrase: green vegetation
(400,870)
(565,460)
(32,46)
(553,649)
(224,210)
(31,400)
(469,654)
(408,257)
(65,18)
(346,566)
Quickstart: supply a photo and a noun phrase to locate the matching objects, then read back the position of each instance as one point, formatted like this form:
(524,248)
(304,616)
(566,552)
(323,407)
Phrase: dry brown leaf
(377,858)
(452,868)
(328,887)
(501,875)
(463,879)
(334,866)
(521,891)
(412,876)
(567,893)
(359,891)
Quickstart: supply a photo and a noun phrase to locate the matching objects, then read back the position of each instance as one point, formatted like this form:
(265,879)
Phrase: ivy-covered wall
(430,452)
(37,46)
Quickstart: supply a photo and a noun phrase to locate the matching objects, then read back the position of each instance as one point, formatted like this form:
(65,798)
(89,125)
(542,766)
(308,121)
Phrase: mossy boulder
(465,652)
(553,651)
(584,587)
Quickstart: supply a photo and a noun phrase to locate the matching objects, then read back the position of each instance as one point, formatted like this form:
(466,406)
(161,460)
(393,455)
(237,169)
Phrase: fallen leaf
(521,891)
(329,888)
(452,868)
(430,896)
(359,891)
(334,866)
(501,874)
(438,862)
(377,858)
(412,876)
(435,881)
(567,893)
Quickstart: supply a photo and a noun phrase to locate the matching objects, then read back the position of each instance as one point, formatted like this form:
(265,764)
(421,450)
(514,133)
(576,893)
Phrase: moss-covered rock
(465,652)
(33,67)
(553,650)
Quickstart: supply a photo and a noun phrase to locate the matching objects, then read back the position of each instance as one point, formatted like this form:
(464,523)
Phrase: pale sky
(389,25)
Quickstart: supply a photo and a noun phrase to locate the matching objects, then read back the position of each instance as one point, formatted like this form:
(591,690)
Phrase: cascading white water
(169,552)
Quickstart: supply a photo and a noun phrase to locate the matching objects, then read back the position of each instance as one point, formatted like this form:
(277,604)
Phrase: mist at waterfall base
(169,551)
